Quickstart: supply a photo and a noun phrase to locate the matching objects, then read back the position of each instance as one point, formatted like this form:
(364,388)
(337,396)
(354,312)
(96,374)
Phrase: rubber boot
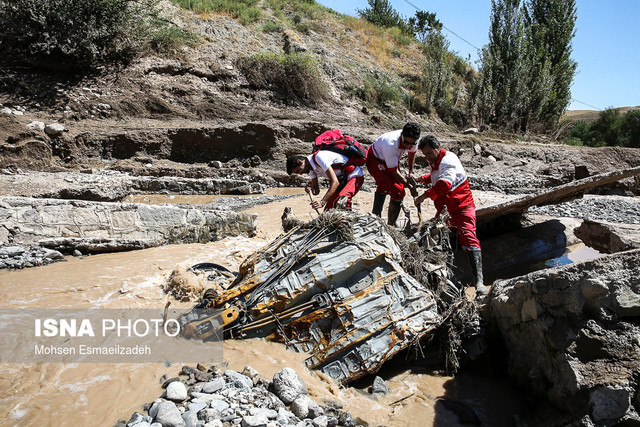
(475,259)
(378,203)
(394,211)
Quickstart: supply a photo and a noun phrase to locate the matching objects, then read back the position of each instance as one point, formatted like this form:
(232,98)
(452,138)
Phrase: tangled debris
(346,289)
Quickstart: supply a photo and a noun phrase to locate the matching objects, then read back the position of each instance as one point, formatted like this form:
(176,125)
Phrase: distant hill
(591,115)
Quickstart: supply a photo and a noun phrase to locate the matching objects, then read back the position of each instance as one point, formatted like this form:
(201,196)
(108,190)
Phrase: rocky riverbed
(217,397)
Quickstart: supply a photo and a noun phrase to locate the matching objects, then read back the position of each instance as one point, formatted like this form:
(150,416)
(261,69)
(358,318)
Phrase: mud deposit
(100,394)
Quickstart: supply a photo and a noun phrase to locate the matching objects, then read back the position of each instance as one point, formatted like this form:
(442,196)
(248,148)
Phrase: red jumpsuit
(450,188)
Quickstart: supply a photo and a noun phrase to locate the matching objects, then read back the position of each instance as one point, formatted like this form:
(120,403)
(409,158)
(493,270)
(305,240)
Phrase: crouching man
(450,188)
(345,180)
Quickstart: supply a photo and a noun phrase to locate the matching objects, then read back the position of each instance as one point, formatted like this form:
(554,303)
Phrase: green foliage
(381,13)
(400,38)
(308,9)
(438,69)
(79,34)
(295,77)
(611,128)
(526,68)
(271,27)
(165,37)
(246,11)
(379,89)
(630,129)
(422,24)
(550,29)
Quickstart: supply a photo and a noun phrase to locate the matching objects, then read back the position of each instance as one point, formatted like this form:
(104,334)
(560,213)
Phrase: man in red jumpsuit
(450,188)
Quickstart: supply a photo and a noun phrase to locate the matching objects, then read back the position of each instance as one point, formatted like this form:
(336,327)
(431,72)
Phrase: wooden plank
(562,193)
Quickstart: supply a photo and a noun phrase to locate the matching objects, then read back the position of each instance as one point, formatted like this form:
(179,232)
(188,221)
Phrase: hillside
(591,115)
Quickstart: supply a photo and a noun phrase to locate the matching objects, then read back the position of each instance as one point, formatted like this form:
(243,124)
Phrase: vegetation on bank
(294,76)
(521,85)
(82,34)
(610,128)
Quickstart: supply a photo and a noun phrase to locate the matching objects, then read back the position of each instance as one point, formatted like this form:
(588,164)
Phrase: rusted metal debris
(335,288)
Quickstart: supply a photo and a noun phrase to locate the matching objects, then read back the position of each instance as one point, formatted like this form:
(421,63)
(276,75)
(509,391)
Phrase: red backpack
(334,140)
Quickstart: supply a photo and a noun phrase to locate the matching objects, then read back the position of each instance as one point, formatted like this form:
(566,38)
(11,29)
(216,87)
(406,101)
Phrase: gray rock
(51,254)
(254,421)
(269,413)
(288,385)
(304,407)
(190,418)
(284,416)
(54,129)
(238,380)
(609,404)
(36,125)
(379,386)
(5,110)
(214,423)
(321,421)
(214,385)
(11,251)
(77,253)
(168,381)
(470,131)
(216,164)
(138,418)
(176,391)
(219,405)
(197,406)
(168,415)
(477,149)
(153,410)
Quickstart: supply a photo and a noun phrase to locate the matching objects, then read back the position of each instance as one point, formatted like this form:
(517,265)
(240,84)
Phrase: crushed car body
(335,288)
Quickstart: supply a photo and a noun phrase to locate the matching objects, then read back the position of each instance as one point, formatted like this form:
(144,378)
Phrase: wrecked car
(344,288)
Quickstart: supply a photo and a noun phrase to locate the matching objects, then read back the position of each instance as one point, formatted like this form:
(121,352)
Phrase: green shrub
(80,34)
(295,77)
(68,33)
(379,89)
(271,27)
(165,37)
(630,128)
(574,141)
(246,11)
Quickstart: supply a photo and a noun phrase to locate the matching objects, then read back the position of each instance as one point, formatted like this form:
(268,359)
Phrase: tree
(526,68)
(630,128)
(504,72)
(423,24)
(607,127)
(381,13)
(550,30)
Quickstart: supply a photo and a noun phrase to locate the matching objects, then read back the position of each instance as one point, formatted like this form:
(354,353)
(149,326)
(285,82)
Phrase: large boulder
(572,335)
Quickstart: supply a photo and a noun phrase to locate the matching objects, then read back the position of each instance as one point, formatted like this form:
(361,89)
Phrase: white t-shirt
(387,148)
(450,169)
(324,159)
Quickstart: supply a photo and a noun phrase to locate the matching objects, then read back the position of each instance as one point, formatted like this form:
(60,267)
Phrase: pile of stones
(207,396)
(16,256)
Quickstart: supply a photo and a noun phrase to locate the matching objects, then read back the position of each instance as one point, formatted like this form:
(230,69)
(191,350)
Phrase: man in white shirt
(383,161)
(345,179)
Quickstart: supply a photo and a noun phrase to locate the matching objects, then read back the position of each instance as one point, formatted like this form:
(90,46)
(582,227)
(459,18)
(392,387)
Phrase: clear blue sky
(606,45)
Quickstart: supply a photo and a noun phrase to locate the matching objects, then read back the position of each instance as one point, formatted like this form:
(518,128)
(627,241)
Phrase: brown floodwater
(100,393)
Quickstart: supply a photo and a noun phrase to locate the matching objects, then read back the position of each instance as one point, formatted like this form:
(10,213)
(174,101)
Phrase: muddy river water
(100,393)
